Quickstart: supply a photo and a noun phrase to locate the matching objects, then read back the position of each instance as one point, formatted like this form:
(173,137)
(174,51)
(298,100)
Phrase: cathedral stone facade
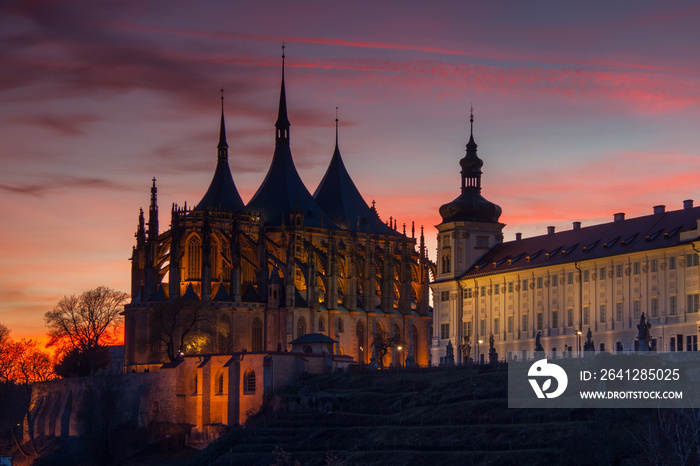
(631,284)
(233,277)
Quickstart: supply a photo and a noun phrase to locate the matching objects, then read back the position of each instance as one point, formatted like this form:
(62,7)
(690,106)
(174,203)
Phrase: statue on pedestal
(493,355)
(449,354)
(644,334)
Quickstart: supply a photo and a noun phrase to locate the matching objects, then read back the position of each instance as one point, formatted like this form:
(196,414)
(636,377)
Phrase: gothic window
(301,327)
(220,383)
(257,335)
(321,325)
(416,342)
(249,382)
(397,332)
(340,325)
(194,258)
(214,257)
(360,332)
(195,384)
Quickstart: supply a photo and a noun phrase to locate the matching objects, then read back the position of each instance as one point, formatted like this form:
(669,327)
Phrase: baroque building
(230,277)
(605,278)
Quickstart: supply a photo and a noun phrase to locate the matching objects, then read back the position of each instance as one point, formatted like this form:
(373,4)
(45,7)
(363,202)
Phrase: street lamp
(399,354)
(478,353)
(578,334)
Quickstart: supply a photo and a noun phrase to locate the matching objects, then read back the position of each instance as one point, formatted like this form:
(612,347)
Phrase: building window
(257,335)
(539,321)
(525,285)
(693,303)
(691,260)
(249,382)
(602,273)
(635,268)
(539,283)
(444,331)
(618,271)
(653,265)
(655,307)
(341,327)
(468,293)
(220,384)
(586,275)
(301,327)
(496,325)
(618,311)
(570,278)
(483,291)
(496,288)
(586,316)
(195,384)
(672,263)
(510,324)
(553,280)
(637,314)
(555,319)
(510,287)
(444,296)
(570,317)
(525,323)
(603,310)
(482,326)
(482,241)
(321,325)
(672,306)
(467,328)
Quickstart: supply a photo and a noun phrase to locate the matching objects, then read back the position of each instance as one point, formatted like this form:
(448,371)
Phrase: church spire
(282,123)
(223,145)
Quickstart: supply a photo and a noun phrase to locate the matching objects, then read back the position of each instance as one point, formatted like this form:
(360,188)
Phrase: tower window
(482,241)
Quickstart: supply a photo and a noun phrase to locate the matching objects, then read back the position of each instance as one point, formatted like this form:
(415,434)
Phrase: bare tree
(80,324)
(182,326)
(381,344)
(21,361)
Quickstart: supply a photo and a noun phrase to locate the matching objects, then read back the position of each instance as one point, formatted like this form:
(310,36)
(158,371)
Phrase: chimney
(618,217)
(659,209)
(550,230)
(688,204)
(518,236)
(577,225)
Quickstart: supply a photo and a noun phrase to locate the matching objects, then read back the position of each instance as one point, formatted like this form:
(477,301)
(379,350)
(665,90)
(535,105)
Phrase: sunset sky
(582,109)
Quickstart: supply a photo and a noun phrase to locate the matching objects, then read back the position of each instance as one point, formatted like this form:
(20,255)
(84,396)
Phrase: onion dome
(470,206)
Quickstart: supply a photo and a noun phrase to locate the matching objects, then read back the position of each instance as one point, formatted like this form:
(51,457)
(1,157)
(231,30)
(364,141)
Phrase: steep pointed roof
(222,194)
(282,191)
(341,200)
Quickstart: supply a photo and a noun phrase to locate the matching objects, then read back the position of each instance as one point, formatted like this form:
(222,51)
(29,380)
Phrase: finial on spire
(471,120)
(223,145)
(336,127)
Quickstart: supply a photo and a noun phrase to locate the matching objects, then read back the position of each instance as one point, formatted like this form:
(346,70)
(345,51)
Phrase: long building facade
(228,276)
(604,278)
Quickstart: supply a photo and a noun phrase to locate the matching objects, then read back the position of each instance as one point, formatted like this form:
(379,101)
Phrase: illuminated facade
(602,277)
(255,277)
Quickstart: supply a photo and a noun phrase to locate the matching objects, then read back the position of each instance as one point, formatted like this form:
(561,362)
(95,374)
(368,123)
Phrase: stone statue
(493,355)
(589,345)
(538,344)
(466,349)
(449,354)
(644,334)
